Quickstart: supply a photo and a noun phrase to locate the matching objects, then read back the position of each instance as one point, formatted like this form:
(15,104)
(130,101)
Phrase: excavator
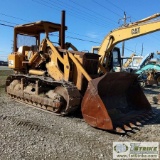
(60,80)
(132,62)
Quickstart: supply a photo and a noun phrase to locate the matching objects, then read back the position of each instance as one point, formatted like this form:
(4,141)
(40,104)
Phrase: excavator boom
(130,31)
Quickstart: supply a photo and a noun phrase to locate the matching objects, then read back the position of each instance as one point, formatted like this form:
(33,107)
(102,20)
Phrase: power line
(2,24)
(80,35)
(132,18)
(115,5)
(71,13)
(26,20)
(83,40)
(95,13)
(56,35)
(8,22)
(76,12)
(13,17)
(45,4)
(106,8)
(80,39)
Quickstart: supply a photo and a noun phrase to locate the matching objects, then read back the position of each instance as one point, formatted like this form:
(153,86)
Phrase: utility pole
(12,48)
(124,19)
(142,50)
(123,43)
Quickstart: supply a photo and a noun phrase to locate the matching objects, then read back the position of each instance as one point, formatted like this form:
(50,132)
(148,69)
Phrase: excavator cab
(115,60)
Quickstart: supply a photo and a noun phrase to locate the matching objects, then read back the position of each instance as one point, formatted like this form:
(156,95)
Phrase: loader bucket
(115,101)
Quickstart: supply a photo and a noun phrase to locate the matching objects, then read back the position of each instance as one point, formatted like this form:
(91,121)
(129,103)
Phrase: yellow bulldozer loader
(60,80)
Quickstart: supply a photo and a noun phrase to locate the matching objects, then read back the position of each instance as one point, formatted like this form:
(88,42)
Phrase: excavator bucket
(115,101)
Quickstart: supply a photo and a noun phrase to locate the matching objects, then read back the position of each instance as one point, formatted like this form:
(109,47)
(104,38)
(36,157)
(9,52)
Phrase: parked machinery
(149,71)
(142,27)
(56,79)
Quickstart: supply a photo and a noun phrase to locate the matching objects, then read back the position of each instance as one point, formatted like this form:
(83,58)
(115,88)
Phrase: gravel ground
(27,133)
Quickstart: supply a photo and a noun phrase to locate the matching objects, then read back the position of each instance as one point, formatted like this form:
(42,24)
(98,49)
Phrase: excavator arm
(128,62)
(130,31)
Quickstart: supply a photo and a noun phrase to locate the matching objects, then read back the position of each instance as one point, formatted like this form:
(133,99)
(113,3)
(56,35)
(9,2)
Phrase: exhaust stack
(62,36)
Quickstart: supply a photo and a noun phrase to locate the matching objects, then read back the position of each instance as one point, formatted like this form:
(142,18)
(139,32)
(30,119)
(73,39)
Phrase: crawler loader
(60,80)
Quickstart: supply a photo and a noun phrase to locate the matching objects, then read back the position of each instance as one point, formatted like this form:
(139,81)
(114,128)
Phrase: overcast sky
(88,21)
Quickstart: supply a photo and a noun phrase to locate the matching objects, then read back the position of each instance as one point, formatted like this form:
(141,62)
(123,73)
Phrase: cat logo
(135,30)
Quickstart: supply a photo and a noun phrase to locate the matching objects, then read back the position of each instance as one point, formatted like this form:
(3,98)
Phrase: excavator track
(59,97)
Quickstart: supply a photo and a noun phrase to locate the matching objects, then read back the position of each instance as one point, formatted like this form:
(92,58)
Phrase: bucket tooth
(38,105)
(30,102)
(127,128)
(141,121)
(43,106)
(132,125)
(119,130)
(35,104)
(138,123)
